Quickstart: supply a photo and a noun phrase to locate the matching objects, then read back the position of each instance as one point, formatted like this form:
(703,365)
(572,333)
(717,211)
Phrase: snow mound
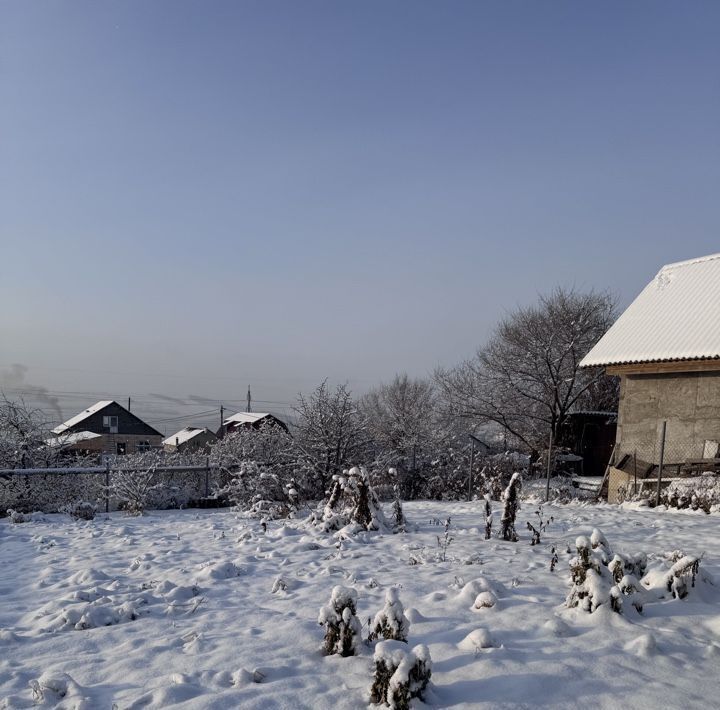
(469,593)
(220,570)
(60,691)
(643,646)
(476,640)
(484,600)
(558,628)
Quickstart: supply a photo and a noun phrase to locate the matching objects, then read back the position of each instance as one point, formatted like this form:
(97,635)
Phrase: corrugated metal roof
(189,432)
(82,416)
(675,317)
(246,417)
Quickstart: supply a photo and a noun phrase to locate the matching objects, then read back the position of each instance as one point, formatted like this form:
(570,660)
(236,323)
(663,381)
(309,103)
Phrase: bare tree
(404,427)
(331,433)
(527,378)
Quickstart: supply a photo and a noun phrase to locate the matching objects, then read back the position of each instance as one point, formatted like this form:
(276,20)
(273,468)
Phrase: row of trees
(516,389)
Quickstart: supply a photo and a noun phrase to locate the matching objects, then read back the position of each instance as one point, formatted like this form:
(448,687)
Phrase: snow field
(201,609)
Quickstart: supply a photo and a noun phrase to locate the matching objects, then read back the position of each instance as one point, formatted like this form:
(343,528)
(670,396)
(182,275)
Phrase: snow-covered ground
(201,609)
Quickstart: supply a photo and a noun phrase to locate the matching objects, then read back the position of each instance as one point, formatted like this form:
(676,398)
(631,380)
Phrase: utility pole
(222,421)
(249,400)
(128,404)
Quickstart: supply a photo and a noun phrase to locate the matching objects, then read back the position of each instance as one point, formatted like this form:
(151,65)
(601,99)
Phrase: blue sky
(195,196)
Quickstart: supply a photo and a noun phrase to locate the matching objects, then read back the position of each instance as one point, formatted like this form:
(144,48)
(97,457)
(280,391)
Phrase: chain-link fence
(646,462)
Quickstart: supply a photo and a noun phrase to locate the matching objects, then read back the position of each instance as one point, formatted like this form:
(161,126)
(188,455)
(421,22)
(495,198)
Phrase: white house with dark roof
(665,348)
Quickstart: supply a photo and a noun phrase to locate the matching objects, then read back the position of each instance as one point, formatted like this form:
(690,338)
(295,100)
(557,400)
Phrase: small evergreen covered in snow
(342,627)
(511,504)
(400,675)
(391,623)
(352,501)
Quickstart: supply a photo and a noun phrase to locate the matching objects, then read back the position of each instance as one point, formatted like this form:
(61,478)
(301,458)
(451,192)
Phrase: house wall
(199,441)
(688,401)
(107,443)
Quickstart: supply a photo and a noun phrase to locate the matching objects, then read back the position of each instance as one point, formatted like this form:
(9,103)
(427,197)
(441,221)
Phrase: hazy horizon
(197,197)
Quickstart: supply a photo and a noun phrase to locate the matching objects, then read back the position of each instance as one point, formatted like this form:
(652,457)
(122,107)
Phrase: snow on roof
(82,416)
(70,439)
(246,417)
(675,317)
(180,437)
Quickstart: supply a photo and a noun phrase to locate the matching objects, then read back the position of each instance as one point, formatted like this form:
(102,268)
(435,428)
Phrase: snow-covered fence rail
(52,489)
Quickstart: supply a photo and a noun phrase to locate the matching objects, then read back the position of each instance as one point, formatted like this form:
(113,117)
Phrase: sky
(200,196)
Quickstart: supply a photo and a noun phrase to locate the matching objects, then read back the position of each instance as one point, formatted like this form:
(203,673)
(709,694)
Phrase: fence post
(107,486)
(635,463)
(207,476)
(662,457)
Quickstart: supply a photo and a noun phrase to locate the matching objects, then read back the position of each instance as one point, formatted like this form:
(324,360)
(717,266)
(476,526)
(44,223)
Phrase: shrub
(512,503)
(342,627)
(400,674)
(391,623)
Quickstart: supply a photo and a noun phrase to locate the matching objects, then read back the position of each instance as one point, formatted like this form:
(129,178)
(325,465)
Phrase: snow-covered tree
(352,501)
(390,622)
(511,503)
(399,520)
(331,434)
(25,437)
(527,378)
(342,627)
(133,488)
(405,430)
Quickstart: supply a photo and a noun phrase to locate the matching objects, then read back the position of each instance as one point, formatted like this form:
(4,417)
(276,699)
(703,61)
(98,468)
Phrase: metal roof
(246,417)
(82,416)
(675,317)
(189,432)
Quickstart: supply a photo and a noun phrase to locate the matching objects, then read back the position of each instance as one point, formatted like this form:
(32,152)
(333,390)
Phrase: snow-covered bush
(352,501)
(684,570)
(133,489)
(511,504)
(591,579)
(81,510)
(16,517)
(400,675)
(597,579)
(342,627)
(390,622)
(696,493)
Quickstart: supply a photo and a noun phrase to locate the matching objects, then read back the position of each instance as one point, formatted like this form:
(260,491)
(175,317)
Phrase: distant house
(250,420)
(107,428)
(666,349)
(190,438)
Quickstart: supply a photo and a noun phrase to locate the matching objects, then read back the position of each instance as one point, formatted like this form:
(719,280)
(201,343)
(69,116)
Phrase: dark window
(143,446)
(111,423)
(121,448)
